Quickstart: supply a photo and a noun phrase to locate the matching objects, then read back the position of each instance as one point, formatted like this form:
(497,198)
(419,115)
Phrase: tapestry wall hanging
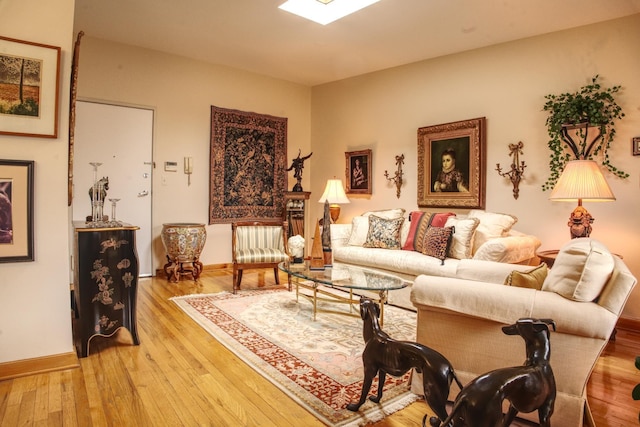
(248,175)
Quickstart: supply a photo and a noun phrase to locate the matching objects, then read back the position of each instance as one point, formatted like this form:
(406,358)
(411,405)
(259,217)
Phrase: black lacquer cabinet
(105,283)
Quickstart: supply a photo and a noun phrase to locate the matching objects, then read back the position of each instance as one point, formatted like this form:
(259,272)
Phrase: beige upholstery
(462,319)
(257,244)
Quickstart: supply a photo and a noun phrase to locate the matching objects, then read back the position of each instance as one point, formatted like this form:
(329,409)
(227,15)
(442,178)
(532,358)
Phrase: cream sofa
(482,240)
(584,293)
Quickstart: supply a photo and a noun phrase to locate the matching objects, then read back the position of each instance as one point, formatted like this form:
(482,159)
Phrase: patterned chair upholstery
(258,244)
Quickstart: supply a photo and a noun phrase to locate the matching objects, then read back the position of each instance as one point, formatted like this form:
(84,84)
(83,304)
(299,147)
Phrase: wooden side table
(548,256)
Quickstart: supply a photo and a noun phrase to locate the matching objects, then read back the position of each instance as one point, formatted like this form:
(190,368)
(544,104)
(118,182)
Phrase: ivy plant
(581,126)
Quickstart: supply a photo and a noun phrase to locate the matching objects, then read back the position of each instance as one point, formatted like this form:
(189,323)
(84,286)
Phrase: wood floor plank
(181,376)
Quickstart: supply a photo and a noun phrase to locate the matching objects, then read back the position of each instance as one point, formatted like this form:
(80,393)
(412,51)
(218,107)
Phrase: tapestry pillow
(387,214)
(436,242)
(532,279)
(383,233)
(419,223)
(462,244)
(581,270)
(491,225)
(359,230)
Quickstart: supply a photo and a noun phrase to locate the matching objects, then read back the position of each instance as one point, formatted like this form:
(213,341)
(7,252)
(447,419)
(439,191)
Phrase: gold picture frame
(452,165)
(29,88)
(16,210)
(358,171)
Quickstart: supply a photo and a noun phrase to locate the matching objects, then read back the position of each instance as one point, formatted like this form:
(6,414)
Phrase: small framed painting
(451,165)
(358,172)
(635,146)
(29,78)
(16,210)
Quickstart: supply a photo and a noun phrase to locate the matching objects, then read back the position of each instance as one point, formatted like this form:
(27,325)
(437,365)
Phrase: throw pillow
(436,242)
(491,225)
(359,230)
(415,218)
(383,233)
(387,214)
(581,270)
(462,245)
(532,279)
(420,221)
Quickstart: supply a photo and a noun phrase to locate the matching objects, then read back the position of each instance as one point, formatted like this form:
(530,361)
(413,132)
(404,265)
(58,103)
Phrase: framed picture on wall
(16,210)
(451,165)
(29,78)
(635,146)
(358,171)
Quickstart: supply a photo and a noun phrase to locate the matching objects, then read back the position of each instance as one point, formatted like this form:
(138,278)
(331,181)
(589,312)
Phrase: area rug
(317,363)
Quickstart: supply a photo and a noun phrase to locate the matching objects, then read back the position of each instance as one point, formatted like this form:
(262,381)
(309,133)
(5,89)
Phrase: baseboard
(39,365)
(628,324)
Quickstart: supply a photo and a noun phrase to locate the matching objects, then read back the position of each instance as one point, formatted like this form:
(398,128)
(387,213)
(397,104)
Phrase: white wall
(34,296)
(182,91)
(506,84)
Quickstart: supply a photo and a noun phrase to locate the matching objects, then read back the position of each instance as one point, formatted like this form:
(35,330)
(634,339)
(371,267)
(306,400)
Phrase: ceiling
(256,36)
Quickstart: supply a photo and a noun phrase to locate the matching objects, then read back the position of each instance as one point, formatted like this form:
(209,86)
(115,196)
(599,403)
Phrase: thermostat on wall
(171,166)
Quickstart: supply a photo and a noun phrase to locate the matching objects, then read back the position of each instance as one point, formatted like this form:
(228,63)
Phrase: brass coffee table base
(321,293)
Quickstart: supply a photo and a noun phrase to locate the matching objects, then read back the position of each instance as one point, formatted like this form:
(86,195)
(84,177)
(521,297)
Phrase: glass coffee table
(343,284)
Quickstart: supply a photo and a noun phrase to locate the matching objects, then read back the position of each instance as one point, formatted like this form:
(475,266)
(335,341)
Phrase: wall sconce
(188,168)
(397,178)
(517,168)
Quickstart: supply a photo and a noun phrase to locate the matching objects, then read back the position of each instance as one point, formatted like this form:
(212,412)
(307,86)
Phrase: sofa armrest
(514,248)
(492,301)
(506,304)
(340,234)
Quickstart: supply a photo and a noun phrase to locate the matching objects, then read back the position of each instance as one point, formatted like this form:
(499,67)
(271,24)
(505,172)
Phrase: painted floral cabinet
(105,283)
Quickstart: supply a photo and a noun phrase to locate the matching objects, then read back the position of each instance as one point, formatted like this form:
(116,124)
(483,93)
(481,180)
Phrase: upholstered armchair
(258,244)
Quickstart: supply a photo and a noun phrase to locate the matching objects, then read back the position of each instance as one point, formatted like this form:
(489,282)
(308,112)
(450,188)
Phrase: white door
(121,138)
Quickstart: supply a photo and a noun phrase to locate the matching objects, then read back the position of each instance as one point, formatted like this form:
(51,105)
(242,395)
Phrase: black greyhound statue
(383,355)
(527,388)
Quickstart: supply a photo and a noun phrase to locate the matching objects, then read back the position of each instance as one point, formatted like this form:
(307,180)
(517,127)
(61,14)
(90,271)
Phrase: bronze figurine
(297,165)
(527,388)
(382,354)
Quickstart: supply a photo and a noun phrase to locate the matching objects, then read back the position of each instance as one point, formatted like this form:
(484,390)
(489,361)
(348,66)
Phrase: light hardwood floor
(180,376)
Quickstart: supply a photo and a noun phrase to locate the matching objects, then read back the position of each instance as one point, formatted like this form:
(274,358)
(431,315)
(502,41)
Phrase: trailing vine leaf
(581,126)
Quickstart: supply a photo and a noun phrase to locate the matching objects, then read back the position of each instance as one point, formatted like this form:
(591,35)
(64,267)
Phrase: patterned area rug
(317,363)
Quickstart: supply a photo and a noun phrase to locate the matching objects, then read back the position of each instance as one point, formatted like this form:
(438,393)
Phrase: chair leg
(277,276)
(237,284)
(235,277)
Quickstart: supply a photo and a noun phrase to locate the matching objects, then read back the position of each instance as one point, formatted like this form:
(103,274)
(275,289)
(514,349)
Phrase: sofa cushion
(383,233)
(387,213)
(419,223)
(406,262)
(437,241)
(532,279)
(581,269)
(359,230)
(491,225)
(462,244)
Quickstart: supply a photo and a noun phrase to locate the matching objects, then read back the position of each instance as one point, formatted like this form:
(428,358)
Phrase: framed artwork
(635,146)
(29,79)
(358,171)
(16,210)
(452,165)
(248,176)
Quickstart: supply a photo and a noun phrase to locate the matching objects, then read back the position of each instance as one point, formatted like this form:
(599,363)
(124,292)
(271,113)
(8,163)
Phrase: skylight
(325,11)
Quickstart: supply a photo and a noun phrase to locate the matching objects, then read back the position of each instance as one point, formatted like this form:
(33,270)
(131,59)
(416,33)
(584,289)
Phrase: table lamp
(335,195)
(581,180)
